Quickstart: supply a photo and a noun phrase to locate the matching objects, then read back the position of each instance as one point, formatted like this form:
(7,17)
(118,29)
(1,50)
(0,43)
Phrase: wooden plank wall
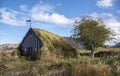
(31,40)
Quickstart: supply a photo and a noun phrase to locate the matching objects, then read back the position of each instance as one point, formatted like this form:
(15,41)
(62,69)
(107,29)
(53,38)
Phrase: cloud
(3,40)
(105,3)
(23,7)
(11,17)
(45,13)
(111,22)
(40,12)
(94,14)
(42,8)
(109,19)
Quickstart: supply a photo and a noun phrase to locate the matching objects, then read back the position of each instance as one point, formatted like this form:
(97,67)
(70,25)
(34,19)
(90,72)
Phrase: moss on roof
(54,45)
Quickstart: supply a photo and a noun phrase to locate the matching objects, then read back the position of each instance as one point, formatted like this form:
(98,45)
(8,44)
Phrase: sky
(56,16)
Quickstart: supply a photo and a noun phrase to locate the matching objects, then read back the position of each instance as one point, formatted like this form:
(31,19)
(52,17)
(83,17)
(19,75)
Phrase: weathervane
(29,21)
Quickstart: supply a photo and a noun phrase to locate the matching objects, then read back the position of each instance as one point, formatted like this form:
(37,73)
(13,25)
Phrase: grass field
(13,65)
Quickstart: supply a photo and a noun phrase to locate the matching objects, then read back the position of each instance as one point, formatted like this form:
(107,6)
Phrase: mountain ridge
(8,46)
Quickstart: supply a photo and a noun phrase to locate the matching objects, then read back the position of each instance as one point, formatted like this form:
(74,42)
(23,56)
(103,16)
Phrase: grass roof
(54,46)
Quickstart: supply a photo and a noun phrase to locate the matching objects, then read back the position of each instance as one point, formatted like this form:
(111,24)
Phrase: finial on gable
(29,21)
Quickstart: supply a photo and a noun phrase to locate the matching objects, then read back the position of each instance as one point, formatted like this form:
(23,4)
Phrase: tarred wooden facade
(30,45)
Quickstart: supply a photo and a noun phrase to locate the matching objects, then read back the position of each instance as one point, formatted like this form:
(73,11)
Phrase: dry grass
(102,52)
(91,70)
(109,49)
(54,45)
(101,49)
(10,65)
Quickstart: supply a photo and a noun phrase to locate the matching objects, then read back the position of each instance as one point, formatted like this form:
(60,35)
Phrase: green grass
(11,65)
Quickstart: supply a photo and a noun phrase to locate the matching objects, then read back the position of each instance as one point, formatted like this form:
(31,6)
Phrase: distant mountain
(74,43)
(116,45)
(8,46)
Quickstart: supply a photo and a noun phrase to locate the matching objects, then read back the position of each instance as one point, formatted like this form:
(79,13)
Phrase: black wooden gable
(30,45)
(32,32)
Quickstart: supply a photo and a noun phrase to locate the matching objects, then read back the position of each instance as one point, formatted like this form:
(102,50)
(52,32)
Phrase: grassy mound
(54,46)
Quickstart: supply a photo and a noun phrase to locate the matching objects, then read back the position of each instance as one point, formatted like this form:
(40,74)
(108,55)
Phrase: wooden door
(29,51)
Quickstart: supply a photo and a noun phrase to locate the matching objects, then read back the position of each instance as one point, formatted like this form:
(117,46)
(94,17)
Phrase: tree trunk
(93,50)
(92,53)
(93,46)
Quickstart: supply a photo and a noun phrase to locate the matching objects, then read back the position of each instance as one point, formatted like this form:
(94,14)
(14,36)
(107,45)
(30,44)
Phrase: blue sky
(56,16)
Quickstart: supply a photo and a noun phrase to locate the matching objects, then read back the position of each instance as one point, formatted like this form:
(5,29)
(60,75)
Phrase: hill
(75,44)
(117,45)
(8,46)
(54,46)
